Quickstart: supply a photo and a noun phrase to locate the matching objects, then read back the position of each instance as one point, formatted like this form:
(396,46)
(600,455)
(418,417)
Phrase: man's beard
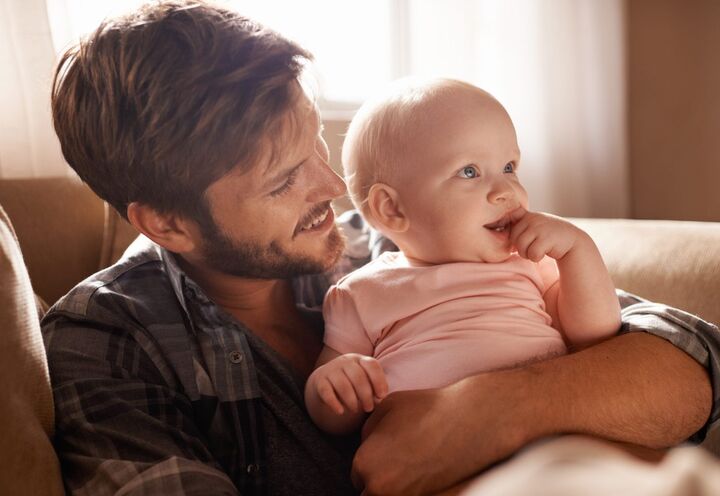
(254,261)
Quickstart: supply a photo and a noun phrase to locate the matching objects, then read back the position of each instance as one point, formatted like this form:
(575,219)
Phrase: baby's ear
(386,208)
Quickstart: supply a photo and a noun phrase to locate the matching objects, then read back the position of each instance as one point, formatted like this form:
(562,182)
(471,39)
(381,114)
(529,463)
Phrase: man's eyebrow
(282,175)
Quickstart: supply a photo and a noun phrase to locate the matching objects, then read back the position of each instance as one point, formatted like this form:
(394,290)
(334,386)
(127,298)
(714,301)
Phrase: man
(179,370)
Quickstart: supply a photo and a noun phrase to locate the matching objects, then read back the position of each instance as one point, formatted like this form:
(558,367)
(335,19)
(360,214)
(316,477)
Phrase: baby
(480,282)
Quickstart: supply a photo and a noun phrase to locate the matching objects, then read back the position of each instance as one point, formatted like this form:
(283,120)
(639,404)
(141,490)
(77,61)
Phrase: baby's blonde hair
(379,135)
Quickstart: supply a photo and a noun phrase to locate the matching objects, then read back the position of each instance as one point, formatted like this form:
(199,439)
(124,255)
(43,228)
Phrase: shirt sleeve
(696,337)
(120,427)
(344,329)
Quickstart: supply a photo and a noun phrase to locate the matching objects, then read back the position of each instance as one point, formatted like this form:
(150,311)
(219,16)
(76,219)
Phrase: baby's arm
(582,303)
(343,389)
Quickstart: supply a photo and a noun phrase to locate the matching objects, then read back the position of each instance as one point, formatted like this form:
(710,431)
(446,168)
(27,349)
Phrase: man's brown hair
(157,105)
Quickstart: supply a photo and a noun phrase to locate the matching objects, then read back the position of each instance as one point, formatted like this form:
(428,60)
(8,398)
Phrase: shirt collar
(184,288)
(309,289)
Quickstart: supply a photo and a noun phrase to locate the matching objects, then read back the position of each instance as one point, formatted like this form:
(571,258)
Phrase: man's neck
(266,307)
(249,300)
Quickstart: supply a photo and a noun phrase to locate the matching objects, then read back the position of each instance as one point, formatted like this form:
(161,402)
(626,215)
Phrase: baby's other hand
(537,234)
(351,382)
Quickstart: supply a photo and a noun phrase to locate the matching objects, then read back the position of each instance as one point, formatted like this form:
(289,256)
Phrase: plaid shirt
(159,391)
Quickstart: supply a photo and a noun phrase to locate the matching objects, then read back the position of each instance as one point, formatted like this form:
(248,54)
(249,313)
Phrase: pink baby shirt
(430,326)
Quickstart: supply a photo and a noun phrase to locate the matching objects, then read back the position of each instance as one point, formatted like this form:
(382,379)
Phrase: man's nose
(326,183)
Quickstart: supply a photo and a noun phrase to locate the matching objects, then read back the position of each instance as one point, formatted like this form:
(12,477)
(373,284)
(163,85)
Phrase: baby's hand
(351,381)
(536,234)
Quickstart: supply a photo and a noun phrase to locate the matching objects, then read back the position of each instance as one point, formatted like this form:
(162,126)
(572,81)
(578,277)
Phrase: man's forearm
(634,388)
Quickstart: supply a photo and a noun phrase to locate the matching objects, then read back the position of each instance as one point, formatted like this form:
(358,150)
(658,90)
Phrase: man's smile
(318,220)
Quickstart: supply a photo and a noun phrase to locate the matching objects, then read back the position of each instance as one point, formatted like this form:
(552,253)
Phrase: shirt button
(236,357)
(253,469)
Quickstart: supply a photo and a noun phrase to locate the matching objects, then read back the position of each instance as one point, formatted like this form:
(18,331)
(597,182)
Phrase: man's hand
(350,382)
(537,234)
(420,442)
(412,435)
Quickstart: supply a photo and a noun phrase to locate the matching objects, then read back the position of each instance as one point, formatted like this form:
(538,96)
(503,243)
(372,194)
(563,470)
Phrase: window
(354,46)
(558,67)
(362,45)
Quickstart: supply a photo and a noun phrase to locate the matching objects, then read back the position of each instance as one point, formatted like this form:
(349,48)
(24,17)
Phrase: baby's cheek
(466,241)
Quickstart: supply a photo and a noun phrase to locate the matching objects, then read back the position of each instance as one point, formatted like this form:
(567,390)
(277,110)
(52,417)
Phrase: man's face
(459,182)
(276,221)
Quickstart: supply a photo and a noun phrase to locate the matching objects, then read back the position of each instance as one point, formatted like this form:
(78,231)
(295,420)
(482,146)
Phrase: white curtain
(28,145)
(556,65)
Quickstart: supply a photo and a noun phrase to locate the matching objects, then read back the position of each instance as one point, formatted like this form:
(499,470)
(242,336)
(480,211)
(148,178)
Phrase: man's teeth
(317,220)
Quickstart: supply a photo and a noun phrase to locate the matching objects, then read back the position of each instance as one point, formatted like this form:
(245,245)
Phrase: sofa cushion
(671,262)
(28,464)
(59,223)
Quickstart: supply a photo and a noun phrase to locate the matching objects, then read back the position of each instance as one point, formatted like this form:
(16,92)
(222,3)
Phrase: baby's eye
(468,172)
(509,168)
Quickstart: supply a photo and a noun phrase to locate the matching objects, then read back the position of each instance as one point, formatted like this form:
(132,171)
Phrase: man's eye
(468,172)
(509,168)
(287,185)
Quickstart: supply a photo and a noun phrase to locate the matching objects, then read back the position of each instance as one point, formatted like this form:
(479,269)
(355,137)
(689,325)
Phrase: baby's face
(459,181)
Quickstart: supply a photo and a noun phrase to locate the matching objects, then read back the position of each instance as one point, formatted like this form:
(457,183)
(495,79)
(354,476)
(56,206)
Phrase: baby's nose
(501,192)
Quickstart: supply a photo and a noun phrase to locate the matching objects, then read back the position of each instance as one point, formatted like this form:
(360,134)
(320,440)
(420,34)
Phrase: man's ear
(171,231)
(386,208)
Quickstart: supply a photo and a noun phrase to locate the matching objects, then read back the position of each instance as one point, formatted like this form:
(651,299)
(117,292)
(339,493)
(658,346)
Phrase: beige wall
(674,108)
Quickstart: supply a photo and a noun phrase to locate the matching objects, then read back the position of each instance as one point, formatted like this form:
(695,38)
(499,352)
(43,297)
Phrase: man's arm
(633,388)
(120,426)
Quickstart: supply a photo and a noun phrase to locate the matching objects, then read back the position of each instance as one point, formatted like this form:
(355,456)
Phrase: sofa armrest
(671,262)
(28,464)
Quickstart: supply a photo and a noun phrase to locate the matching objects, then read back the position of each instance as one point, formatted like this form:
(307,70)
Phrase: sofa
(58,232)
(65,233)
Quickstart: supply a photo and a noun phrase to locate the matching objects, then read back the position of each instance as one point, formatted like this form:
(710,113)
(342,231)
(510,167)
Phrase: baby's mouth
(500,225)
